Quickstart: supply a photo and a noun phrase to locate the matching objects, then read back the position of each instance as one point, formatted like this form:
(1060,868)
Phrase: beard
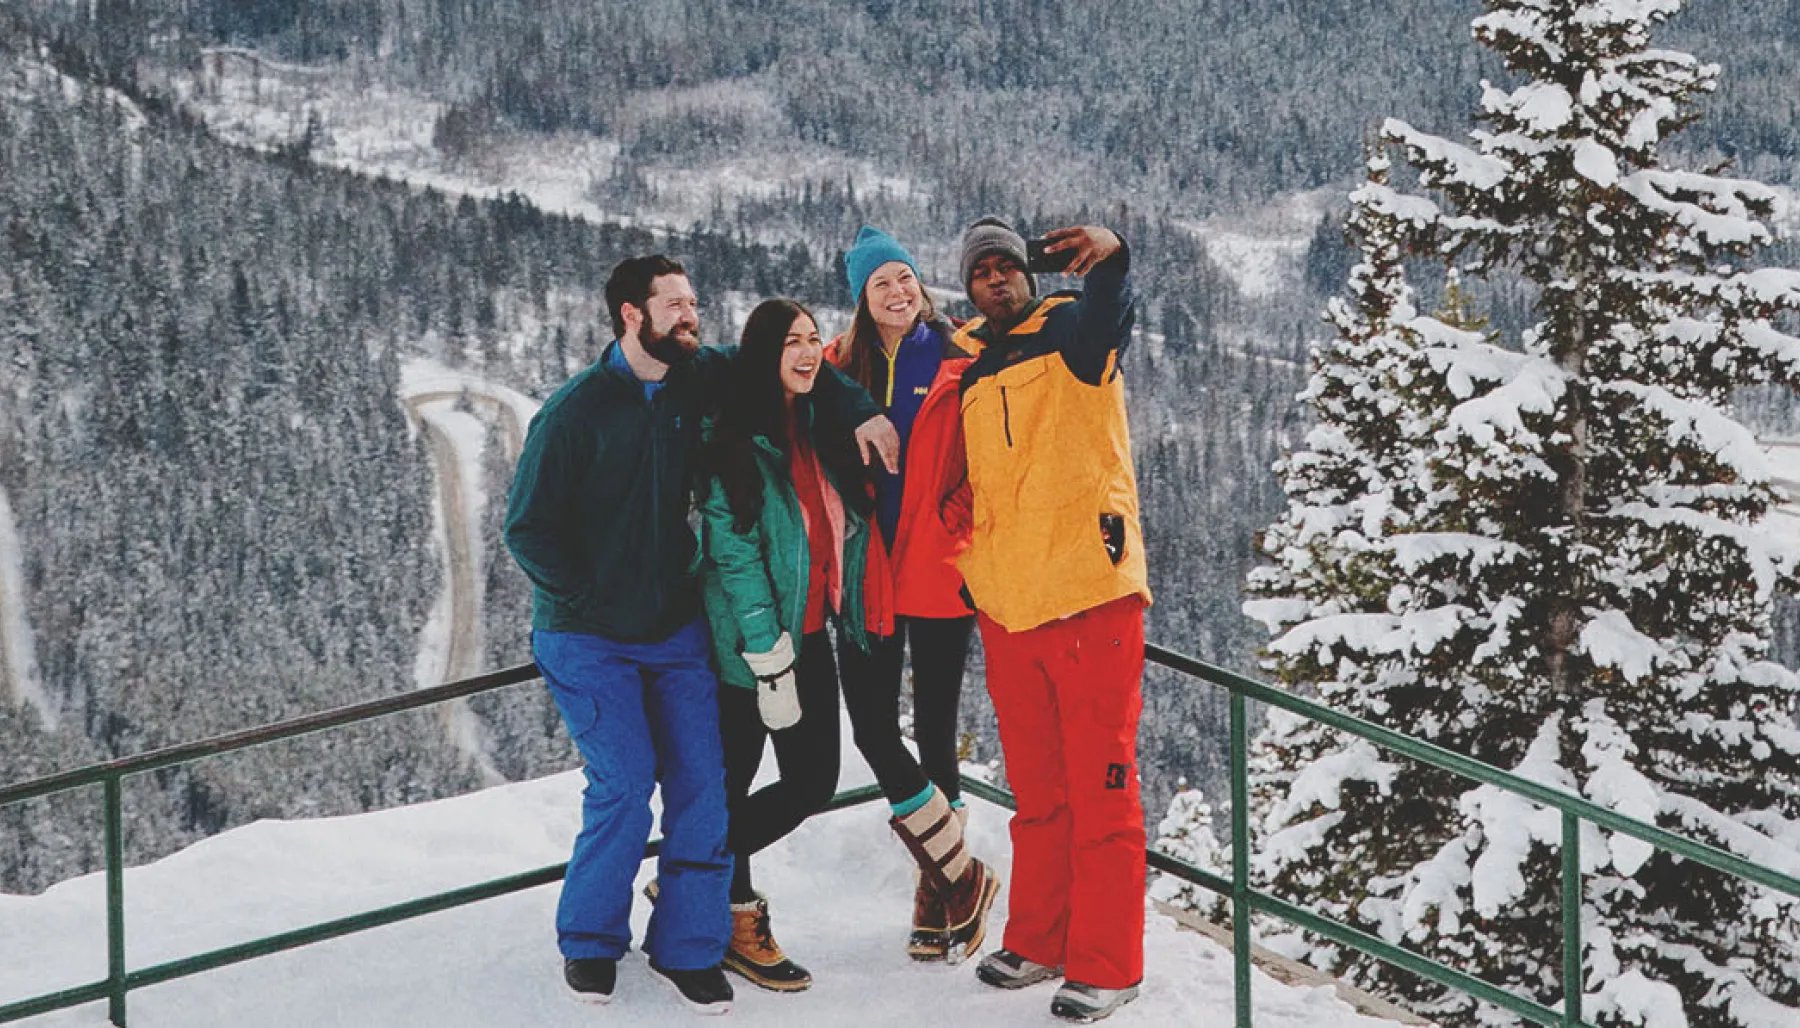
(672,347)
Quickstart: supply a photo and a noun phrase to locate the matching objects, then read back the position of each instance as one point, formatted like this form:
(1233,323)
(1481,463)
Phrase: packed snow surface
(840,890)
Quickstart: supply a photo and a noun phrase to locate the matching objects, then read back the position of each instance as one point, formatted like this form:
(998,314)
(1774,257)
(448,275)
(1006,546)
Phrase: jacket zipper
(656,448)
(1006,416)
(893,359)
(803,561)
(771,470)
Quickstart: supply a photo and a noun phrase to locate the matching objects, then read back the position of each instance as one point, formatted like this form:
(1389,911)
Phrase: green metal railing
(111,775)
(1245,900)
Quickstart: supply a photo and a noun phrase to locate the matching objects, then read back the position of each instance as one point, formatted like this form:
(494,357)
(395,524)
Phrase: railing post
(115,901)
(1571,910)
(1240,859)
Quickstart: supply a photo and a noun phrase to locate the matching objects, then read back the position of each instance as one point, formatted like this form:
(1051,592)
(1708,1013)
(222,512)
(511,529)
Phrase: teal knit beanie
(872,249)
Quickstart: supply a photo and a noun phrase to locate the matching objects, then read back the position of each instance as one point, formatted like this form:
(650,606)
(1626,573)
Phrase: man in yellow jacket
(1055,565)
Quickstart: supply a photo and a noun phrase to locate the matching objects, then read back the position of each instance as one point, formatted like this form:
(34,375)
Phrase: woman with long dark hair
(901,351)
(786,535)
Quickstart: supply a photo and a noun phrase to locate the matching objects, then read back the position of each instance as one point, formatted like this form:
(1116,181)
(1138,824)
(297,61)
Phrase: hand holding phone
(1071,251)
(1039,260)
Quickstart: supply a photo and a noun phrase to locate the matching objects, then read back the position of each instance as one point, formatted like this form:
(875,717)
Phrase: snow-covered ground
(384,130)
(840,890)
(380,130)
(1263,250)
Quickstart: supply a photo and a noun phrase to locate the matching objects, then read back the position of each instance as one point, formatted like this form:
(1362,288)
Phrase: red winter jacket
(926,582)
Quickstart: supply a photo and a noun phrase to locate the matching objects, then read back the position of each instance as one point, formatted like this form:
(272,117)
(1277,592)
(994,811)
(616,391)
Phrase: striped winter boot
(962,886)
(930,936)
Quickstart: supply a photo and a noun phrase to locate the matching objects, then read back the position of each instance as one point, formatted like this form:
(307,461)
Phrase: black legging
(808,752)
(940,648)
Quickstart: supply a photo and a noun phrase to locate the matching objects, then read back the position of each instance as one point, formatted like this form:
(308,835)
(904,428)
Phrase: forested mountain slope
(222,514)
(224,518)
(996,104)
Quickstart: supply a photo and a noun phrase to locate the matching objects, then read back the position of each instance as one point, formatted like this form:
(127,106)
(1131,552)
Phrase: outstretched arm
(1104,315)
(843,403)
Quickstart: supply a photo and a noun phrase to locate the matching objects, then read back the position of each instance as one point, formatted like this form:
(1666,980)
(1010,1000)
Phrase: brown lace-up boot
(963,887)
(754,953)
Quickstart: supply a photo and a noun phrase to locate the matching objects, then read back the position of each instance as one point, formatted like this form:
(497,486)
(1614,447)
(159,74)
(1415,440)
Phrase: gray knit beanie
(989,236)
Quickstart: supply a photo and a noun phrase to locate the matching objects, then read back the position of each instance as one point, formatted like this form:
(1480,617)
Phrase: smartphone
(1038,260)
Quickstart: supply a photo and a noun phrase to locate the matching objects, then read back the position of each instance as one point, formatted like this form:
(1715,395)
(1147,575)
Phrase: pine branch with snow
(1186,833)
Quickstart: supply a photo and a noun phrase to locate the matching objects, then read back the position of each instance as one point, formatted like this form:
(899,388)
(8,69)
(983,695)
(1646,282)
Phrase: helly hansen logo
(1115,776)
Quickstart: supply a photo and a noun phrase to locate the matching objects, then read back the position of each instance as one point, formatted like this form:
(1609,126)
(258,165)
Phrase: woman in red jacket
(900,350)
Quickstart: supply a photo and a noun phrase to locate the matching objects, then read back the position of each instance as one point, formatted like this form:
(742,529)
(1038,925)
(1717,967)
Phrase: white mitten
(778,701)
(777,698)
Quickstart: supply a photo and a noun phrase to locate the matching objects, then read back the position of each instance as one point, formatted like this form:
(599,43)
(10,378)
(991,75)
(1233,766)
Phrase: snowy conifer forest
(1522,507)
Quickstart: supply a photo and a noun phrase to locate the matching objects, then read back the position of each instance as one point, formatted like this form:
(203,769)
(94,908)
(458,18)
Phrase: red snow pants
(1068,695)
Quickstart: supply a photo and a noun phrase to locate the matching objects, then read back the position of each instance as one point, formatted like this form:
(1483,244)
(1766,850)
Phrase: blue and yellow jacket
(1055,527)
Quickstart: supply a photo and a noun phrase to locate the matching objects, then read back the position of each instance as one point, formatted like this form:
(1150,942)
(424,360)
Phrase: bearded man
(598,520)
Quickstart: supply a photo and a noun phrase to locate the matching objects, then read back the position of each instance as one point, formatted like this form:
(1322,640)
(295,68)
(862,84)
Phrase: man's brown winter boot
(963,886)
(754,953)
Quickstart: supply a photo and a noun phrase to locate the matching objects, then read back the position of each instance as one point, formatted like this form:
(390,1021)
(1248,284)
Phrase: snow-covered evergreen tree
(1559,563)
(1186,833)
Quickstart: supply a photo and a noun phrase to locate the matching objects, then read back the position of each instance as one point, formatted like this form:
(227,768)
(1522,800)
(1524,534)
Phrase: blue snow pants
(640,713)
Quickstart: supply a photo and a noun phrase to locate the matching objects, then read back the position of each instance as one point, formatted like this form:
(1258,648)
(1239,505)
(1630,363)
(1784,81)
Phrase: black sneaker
(1004,969)
(704,989)
(592,979)
(1085,1004)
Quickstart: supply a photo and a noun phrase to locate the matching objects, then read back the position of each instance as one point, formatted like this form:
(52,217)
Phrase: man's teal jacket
(598,514)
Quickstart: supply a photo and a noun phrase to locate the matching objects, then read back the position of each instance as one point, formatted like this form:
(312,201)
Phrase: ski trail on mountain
(18,661)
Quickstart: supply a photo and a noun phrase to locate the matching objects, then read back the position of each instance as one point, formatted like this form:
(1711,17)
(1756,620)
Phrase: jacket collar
(616,368)
(983,330)
(804,415)
(978,336)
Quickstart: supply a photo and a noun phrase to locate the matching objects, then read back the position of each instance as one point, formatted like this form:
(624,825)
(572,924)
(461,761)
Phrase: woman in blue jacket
(902,352)
(785,527)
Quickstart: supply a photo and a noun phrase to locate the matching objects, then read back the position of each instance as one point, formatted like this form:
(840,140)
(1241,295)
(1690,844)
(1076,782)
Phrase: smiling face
(668,327)
(895,298)
(802,353)
(999,290)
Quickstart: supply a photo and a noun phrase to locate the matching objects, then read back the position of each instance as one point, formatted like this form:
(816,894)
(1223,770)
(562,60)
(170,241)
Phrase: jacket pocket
(580,710)
(1112,536)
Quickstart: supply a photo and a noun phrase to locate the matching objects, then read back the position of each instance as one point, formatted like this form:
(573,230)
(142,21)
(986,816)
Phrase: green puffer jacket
(754,583)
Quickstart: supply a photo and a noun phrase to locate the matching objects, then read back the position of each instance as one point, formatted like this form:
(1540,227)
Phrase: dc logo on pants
(1115,776)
